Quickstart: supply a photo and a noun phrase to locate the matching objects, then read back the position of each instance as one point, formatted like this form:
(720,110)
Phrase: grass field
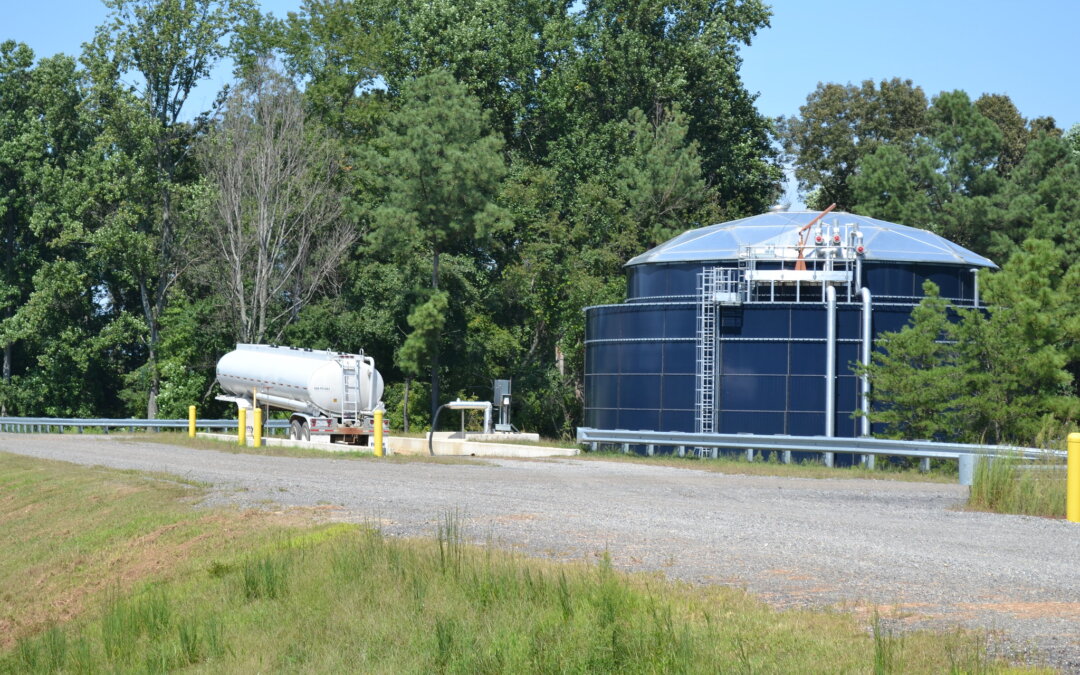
(108,571)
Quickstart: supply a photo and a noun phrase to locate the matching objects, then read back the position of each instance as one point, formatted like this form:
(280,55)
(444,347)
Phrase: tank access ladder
(350,388)
(706,350)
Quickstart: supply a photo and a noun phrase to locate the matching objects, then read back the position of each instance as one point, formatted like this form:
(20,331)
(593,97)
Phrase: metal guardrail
(47,424)
(965,453)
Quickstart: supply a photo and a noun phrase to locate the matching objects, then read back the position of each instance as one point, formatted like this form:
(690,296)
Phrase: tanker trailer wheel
(298,431)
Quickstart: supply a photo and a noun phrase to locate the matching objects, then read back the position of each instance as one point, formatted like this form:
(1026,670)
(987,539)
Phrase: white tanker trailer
(331,394)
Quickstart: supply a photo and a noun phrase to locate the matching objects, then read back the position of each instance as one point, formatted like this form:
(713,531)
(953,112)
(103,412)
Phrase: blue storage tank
(725,327)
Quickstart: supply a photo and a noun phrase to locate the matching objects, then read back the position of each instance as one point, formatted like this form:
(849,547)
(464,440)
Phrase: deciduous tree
(278,226)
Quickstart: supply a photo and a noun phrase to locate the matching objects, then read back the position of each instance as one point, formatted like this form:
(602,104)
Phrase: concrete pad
(443,444)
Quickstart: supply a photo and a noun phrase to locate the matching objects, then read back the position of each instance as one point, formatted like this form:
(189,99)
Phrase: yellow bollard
(241,428)
(378,433)
(256,430)
(191,421)
(1072,489)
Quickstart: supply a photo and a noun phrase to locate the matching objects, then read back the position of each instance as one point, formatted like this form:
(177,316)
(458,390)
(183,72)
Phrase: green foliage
(914,374)
(498,161)
(660,179)
(840,125)
(337,49)
(439,171)
(1003,374)
(427,321)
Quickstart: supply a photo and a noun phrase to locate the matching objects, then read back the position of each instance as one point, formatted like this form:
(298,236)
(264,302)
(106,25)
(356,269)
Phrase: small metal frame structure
(472,405)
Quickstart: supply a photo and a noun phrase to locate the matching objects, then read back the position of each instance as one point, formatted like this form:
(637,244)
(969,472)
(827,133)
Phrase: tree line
(446,185)
(980,174)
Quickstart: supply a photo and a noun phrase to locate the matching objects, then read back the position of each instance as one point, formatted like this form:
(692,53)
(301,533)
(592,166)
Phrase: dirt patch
(1029,610)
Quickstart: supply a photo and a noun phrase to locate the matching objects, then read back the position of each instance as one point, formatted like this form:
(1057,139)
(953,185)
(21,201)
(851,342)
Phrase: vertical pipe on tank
(867,345)
(830,367)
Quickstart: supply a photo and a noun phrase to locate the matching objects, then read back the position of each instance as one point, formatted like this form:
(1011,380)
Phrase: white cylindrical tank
(301,380)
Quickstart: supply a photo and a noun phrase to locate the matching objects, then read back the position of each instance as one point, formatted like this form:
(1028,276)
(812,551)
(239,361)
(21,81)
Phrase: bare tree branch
(281,232)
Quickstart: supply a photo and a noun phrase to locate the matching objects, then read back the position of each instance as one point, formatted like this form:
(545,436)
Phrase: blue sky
(1028,51)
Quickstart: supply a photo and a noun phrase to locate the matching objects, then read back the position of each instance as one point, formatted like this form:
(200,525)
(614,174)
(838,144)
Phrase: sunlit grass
(346,598)
(1012,484)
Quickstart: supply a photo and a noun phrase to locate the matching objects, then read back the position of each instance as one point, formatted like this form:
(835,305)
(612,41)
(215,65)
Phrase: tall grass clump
(1012,484)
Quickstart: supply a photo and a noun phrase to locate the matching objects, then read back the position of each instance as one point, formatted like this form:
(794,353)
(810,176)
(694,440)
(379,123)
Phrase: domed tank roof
(883,241)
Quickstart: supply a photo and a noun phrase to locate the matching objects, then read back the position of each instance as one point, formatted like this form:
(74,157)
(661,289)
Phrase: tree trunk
(405,407)
(7,376)
(152,342)
(435,349)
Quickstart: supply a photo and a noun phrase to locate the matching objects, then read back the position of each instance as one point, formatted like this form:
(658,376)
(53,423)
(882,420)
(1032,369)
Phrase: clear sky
(1027,50)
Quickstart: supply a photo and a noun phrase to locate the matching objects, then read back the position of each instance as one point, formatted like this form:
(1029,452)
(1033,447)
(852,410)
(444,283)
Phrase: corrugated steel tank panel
(641,356)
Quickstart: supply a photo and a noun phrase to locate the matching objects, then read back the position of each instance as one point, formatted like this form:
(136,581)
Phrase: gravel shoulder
(903,548)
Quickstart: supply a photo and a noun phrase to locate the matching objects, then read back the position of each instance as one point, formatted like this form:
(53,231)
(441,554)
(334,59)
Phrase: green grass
(246,594)
(1015,485)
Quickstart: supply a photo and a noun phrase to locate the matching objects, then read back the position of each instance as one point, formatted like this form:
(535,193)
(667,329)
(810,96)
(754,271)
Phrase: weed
(265,577)
(1011,484)
(888,649)
(564,597)
(450,536)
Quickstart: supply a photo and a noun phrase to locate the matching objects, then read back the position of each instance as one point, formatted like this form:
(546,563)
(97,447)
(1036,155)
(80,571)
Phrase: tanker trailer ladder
(350,389)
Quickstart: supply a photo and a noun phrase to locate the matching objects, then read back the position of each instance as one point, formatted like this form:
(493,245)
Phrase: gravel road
(902,547)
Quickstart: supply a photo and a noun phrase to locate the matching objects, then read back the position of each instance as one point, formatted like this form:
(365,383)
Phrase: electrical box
(501,390)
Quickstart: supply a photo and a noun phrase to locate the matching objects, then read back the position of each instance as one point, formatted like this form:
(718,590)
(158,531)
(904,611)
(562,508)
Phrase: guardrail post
(650,450)
(787,457)
(682,451)
(256,428)
(626,448)
(924,465)
(967,469)
(1072,482)
(241,426)
(378,433)
(749,454)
